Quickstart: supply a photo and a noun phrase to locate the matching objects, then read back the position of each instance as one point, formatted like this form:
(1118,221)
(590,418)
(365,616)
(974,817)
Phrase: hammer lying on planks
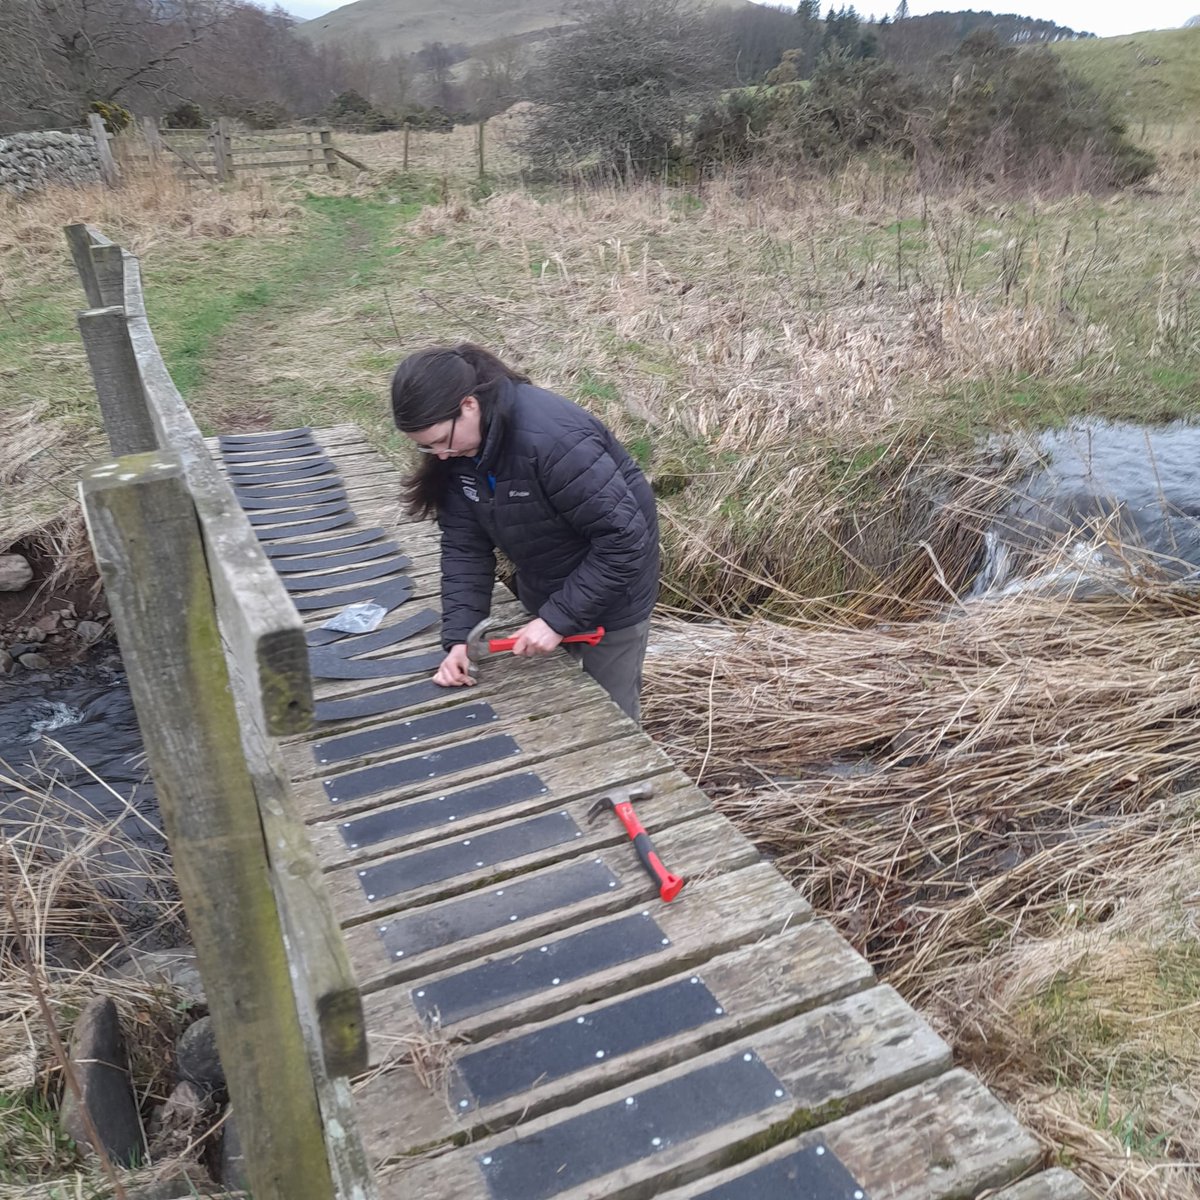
(621,802)
(479,646)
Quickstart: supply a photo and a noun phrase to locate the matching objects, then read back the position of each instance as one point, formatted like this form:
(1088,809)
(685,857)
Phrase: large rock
(102,1069)
(196,1054)
(15,573)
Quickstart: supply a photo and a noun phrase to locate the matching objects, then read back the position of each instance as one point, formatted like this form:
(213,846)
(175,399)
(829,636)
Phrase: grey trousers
(615,663)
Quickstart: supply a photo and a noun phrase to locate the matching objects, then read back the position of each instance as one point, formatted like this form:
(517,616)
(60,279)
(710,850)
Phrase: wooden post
(143,525)
(225,137)
(108,165)
(331,163)
(118,385)
(79,239)
(406,132)
(309,152)
(153,138)
(108,262)
(217,143)
(479,146)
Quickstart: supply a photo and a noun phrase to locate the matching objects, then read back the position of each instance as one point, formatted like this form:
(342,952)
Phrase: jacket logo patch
(515,495)
(469,487)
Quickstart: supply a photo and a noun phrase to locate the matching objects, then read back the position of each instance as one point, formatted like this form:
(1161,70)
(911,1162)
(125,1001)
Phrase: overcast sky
(1104,17)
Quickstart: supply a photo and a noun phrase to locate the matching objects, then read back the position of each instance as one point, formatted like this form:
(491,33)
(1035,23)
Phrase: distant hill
(404,26)
(1153,75)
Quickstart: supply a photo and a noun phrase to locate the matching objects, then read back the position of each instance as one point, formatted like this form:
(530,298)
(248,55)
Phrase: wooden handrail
(264,659)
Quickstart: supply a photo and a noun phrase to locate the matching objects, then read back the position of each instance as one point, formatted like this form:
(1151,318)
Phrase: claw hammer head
(477,640)
(627,795)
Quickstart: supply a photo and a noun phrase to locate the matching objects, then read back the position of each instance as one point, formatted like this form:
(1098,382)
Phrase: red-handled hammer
(479,646)
(621,802)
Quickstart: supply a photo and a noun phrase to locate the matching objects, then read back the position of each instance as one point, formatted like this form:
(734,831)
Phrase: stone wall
(29,161)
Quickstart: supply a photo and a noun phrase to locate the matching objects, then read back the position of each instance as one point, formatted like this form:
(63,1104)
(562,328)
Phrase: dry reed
(966,794)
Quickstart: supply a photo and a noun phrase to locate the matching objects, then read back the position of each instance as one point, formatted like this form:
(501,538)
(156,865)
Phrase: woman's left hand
(536,638)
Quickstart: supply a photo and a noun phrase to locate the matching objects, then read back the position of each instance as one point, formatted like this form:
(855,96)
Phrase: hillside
(406,25)
(1153,75)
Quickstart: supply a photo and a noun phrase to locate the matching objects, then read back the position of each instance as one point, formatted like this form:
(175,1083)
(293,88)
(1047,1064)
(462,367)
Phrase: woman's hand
(455,670)
(536,638)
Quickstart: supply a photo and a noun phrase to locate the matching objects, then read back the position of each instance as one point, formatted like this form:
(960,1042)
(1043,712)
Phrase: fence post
(126,417)
(153,140)
(479,146)
(225,135)
(406,132)
(217,143)
(309,152)
(108,165)
(331,163)
(143,525)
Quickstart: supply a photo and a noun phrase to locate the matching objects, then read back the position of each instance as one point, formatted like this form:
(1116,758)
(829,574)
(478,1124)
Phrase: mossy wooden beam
(144,527)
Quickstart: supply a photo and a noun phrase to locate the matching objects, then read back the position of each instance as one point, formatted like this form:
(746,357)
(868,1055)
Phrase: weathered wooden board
(536,739)
(1049,1185)
(754,986)
(566,777)
(708,843)
(710,917)
(946,1139)
(824,1062)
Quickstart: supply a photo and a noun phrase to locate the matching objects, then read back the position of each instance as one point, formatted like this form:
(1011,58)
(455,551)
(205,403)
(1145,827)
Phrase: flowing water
(1110,494)
(71,768)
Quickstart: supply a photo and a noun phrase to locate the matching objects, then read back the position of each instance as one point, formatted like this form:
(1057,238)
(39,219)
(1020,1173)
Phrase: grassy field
(806,369)
(1152,76)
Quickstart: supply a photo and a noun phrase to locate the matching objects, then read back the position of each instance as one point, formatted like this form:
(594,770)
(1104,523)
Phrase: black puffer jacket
(559,495)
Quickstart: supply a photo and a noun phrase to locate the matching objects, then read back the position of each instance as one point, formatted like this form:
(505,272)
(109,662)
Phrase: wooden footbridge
(431,975)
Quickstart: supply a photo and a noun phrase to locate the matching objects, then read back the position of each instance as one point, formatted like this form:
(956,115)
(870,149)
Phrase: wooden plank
(287,162)
(119,393)
(945,1139)
(567,777)
(834,1059)
(755,986)
(81,239)
(711,916)
(258,620)
(1049,1185)
(108,165)
(708,843)
(144,527)
(537,741)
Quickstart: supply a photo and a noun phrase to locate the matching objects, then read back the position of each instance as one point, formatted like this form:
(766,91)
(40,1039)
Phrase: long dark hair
(428,387)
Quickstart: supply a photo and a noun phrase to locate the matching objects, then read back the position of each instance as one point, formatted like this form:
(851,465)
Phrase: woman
(512,466)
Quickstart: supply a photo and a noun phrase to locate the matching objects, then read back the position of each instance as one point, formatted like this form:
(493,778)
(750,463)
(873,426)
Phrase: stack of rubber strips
(291,493)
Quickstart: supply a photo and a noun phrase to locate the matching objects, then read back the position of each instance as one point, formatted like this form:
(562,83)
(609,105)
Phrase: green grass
(1151,76)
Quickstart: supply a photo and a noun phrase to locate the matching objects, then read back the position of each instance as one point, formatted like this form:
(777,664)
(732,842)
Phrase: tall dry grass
(982,802)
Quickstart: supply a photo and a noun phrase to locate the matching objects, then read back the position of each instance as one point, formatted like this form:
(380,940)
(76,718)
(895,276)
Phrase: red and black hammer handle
(592,638)
(669,886)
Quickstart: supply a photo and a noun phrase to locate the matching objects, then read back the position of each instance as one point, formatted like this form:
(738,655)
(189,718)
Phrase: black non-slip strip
(284,491)
(456,719)
(281,470)
(445,809)
(265,436)
(461,756)
(272,456)
(347,645)
(309,511)
(576,1043)
(597,1143)
(275,532)
(360,537)
(453,860)
(493,984)
(329,562)
(388,595)
(283,503)
(321,470)
(325,665)
(342,577)
(814,1173)
(374,703)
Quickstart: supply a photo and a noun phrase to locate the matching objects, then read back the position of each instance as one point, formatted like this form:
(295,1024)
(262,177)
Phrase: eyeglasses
(441,449)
